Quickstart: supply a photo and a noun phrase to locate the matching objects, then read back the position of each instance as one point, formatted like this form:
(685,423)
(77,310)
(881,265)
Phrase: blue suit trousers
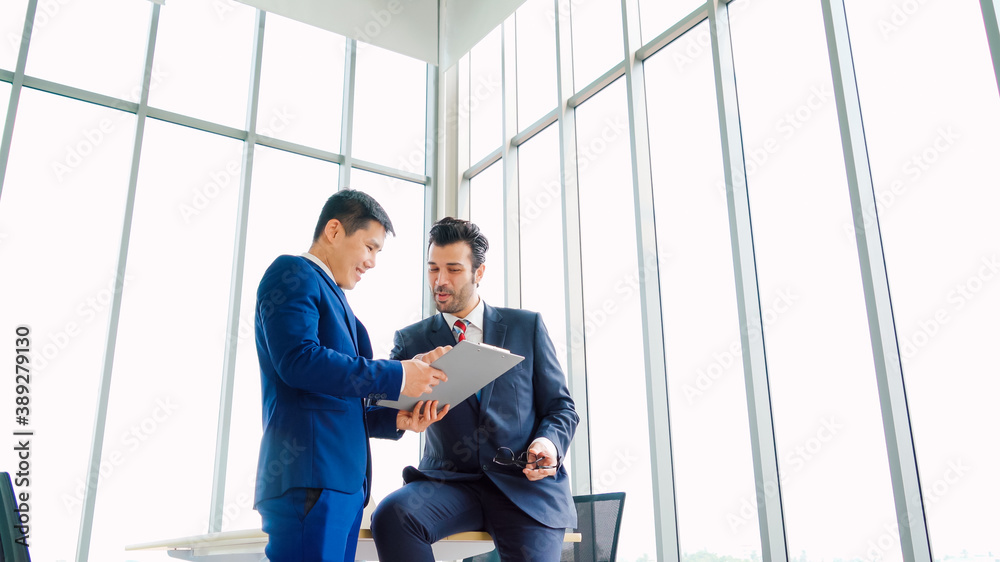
(327,532)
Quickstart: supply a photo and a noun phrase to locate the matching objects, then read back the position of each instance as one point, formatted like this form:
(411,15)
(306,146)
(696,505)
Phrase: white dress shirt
(474,321)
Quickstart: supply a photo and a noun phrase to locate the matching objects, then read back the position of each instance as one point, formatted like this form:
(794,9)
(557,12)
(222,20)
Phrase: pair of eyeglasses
(506,457)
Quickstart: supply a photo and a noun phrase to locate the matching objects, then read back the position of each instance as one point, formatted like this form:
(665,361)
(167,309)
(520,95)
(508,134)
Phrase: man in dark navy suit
(524,415)
(317,381)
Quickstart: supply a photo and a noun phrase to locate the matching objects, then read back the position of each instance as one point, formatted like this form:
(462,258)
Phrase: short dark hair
(354,210)
(450,230)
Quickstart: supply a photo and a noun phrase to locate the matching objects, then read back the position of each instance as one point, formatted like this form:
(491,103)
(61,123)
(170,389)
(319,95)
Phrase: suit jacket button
(486,468)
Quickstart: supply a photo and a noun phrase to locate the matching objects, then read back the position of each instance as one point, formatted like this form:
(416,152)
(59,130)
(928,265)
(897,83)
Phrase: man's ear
(478,275)
(333,229)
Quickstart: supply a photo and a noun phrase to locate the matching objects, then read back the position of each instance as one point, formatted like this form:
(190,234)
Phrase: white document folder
(470,367)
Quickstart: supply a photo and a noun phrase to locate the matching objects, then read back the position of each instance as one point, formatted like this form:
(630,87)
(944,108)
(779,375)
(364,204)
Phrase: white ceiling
(435,31)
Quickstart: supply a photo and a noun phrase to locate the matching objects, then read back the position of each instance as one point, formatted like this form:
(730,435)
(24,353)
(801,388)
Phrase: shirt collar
(474,318)
(322,265)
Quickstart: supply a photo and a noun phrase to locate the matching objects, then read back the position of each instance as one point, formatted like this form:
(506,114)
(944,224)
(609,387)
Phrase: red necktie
(459,329)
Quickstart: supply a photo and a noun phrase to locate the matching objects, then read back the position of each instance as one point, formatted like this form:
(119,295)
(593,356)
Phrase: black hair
(354,210)
(450,230)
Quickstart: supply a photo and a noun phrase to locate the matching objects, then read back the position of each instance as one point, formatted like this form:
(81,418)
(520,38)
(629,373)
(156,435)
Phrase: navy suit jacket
(317,377)
(531,400)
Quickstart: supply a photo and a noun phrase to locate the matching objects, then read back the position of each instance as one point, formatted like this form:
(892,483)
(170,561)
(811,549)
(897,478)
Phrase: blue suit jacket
(316,374)
(531,400)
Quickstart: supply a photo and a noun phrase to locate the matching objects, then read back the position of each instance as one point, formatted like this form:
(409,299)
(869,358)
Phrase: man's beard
(456,303)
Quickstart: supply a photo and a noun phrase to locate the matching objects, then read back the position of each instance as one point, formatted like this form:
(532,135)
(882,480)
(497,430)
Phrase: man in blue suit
(317,379)
(458,485)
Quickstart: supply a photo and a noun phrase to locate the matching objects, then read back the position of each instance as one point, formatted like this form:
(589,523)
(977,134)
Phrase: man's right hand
(421,378)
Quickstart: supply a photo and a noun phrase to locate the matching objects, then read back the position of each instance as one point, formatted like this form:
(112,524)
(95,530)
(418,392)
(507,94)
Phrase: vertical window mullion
(236,286)
(765,455)
(100,418)
(657,412)
(910,515)
(511,207)
(576,356)
(347,130)
(993,34)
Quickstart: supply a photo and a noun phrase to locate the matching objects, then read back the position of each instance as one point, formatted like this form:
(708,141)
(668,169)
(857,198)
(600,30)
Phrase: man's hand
(421,378)
(433,355)
(422,416)
(541,453)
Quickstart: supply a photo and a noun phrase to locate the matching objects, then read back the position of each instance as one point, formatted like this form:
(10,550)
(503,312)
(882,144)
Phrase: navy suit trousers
(411,519)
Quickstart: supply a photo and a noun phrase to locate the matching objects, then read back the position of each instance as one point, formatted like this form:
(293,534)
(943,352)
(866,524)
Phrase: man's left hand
(541,453)
(422,416)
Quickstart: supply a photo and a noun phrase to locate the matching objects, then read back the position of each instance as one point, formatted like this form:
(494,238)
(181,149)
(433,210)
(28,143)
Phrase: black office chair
(491,556)
(599,520)
(10,550)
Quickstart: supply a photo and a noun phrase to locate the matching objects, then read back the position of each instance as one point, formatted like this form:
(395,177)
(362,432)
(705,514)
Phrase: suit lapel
(348,313)
(494,330)
(441,333)
(494,333)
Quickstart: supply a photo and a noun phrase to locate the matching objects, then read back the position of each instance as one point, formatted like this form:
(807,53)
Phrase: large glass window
(201,65)
(543,273)
(60,226)
(165,399)
(706,388)
(61,223)
(12,15)
(929,95)
(536,61)
(487,211)
(656,16)
(461,114)
(819,354)
(301,97)
(598,40)
(616,380)
(108,41)
(287,194)
(390,108)
(485,104)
